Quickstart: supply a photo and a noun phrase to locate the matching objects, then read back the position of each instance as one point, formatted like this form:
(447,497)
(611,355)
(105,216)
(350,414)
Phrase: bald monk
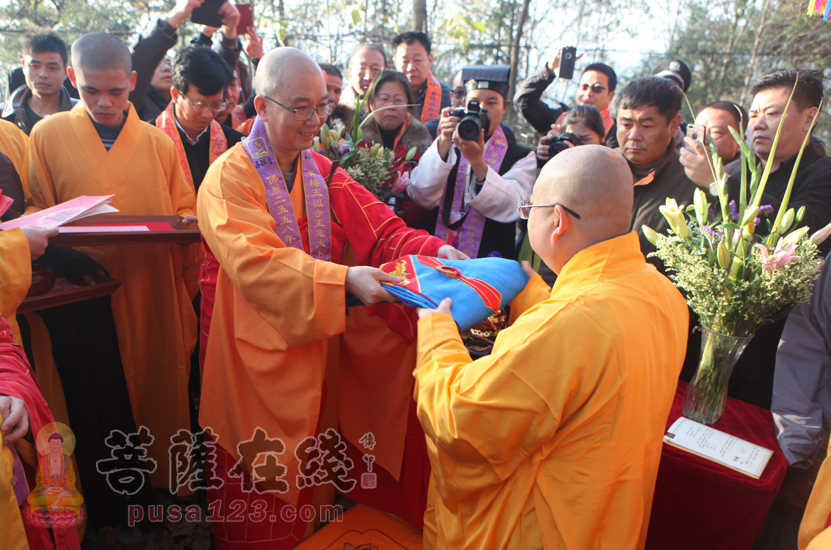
(282,239)
(101,147)
(13,142)
(553,440)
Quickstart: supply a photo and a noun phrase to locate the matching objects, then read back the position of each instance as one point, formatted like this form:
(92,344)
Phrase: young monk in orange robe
(281,239)
(14,142)
(101,147)
(554,440)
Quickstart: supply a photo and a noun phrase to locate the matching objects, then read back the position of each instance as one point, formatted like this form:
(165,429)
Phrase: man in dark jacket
(649,112)
(752,379)
(199,77)
(596,88)
(44,66)
(151,51)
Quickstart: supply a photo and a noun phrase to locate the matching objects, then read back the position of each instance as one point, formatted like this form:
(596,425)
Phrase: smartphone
(567,60)
(696,133)
(246,18)
(208,13)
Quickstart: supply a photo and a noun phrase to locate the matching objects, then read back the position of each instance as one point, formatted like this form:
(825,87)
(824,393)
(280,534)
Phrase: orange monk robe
(275,307)
(553,440)
(15,274)
(154,319)
(14,142)
(815,529)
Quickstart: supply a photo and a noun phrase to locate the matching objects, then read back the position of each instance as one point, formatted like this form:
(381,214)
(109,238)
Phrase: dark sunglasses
(596,88)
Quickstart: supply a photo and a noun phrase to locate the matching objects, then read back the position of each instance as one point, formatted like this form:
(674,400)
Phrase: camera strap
(449,195)
(466,233)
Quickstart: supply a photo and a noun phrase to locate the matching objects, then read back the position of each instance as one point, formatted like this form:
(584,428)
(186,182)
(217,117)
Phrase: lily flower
(401,183)
(819,237)
(650,234)
(675,217)
(781,256)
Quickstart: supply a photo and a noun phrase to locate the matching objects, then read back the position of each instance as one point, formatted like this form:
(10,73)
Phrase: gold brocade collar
(603,260)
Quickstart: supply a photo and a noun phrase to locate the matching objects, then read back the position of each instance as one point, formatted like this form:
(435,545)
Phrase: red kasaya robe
(277,315)
(18,380)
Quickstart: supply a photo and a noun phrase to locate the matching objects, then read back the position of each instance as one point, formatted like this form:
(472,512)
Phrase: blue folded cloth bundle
(479,288)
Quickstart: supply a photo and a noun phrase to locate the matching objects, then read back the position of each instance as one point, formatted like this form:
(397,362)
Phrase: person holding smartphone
(596,88)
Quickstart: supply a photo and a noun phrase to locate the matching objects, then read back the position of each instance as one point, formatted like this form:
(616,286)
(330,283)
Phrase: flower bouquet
(373,166)
(734,279)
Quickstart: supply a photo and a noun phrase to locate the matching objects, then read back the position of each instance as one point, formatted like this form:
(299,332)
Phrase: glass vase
(706,393)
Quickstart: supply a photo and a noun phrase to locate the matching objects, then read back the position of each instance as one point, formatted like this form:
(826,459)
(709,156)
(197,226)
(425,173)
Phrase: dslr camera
(557,144)
(474,119)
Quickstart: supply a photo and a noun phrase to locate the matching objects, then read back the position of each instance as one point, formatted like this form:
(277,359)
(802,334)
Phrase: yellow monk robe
(553,441)
(13,142)
(815,529)
(15,274)
(154,319)
(275,307)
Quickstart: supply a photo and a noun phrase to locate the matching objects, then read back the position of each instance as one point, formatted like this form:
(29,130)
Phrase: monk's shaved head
(593,181)
(101,51)
(280,67)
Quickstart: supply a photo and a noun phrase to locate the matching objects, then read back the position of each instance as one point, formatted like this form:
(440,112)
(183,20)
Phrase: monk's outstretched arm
(374,231)
(302,298)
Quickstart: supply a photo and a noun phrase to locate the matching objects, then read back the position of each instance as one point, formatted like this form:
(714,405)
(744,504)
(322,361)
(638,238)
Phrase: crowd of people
(273,352)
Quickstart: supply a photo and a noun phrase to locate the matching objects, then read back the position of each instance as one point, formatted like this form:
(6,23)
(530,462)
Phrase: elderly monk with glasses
(292,235)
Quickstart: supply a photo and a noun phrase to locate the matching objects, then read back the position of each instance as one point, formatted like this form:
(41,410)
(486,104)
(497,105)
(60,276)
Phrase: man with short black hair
(649,112)
(199,78)
(715,118)
(365,63)
(596,88)
(152,91)
(44,66)
(752,379)
(414,57)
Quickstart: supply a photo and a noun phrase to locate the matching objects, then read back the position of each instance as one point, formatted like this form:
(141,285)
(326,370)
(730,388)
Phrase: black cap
(487,77)
(675,70)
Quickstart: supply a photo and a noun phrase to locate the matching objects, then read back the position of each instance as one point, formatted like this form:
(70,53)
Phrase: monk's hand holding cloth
(444,307)
(452,253)
(14,417)
(365,284)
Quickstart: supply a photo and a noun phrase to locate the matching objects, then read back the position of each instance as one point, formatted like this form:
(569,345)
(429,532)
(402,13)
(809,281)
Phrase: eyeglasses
(201,105)
(526,206)
(305,113)
(458,93)
(596,88)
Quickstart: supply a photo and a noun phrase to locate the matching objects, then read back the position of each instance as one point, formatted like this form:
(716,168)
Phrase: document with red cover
(68,211)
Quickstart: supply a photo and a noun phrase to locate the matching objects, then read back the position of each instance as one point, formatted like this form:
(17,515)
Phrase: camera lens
(469,128)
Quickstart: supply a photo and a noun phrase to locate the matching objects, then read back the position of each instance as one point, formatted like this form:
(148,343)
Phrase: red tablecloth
(702,505)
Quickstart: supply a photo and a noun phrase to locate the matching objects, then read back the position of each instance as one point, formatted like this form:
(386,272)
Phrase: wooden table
(69,291)
(180,233)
